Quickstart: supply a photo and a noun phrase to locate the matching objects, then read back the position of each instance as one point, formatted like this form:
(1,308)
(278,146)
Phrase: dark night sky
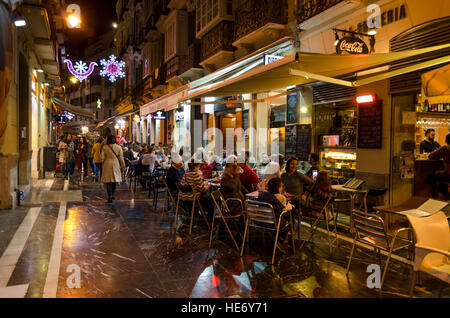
(97,17)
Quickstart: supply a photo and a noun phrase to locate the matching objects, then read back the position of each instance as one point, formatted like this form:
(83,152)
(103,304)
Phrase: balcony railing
(191,59)
(307,9)
(254,14)
(217,39)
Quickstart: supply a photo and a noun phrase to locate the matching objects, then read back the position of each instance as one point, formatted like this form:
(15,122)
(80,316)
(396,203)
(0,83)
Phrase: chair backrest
(261,213)
(370,225)
(432,231)
(142,170)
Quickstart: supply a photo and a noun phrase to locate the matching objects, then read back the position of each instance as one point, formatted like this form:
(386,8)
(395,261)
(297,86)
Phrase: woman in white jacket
(112,166)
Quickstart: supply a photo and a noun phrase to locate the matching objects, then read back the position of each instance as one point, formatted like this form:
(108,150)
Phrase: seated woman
(320,192)
(272,170)
(278,201)
(192,185)
(294,181)
(231,187)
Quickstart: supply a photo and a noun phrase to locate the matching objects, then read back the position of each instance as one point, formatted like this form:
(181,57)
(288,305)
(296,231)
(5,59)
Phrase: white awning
(166,102)
(303,68)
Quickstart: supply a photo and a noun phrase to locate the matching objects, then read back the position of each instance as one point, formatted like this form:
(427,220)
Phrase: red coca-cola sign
(351,45)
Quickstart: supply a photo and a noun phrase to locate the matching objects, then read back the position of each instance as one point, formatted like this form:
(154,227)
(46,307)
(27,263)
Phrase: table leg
(352,206)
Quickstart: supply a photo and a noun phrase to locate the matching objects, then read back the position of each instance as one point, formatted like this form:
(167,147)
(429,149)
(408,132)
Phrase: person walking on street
(96,153)
(113,164)
(90,156)
(81,155)
(63,155)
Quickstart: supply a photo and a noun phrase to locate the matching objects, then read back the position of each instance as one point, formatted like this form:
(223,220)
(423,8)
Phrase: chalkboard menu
(290,141)
(303,142)
(292,108)
(370,125)
(298,141)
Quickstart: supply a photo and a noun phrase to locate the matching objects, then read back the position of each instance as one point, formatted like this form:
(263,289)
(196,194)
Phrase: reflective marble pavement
(130,249)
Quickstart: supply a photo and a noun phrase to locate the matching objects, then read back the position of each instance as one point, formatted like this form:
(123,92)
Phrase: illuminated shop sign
(351,45)
(179,115)
(159,116)
(271,58)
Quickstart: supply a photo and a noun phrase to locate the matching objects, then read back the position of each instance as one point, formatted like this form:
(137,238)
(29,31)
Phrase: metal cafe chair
(194,202)
(324,212)
(370,229)
(169,196)
(157,186)
(260,215)
(141,172)
(224,214)
(432,248)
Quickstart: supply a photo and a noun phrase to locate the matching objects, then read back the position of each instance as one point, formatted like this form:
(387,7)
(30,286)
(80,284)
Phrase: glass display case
(339,161)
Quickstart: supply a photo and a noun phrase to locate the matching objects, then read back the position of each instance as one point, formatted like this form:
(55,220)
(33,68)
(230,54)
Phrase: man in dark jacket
(442,176)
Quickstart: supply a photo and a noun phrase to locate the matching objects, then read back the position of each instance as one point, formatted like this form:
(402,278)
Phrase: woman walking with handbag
(112,167)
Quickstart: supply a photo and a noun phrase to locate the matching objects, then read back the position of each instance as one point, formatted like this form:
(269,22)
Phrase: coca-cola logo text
(351,45)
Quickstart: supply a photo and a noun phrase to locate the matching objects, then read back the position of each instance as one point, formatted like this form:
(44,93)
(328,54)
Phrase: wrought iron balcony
(217,39)
(254,14)
(306,9)
(191,59)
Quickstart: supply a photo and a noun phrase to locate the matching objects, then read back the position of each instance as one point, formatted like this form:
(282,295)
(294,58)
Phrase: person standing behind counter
(441,176)
(428,145)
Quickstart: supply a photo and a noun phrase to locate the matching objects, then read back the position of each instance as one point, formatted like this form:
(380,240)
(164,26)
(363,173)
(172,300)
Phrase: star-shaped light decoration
(112,68)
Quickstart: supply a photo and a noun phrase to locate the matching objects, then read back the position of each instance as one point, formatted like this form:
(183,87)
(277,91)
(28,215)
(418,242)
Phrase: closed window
(170,41)
(207,10)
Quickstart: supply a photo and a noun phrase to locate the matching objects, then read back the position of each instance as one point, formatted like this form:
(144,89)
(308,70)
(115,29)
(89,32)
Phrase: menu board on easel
(303,142)
(291,141)
(370,130)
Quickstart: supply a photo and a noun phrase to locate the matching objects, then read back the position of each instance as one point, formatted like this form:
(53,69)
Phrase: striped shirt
(194,180)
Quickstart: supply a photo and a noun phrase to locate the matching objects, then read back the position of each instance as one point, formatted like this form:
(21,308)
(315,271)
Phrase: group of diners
(286,189)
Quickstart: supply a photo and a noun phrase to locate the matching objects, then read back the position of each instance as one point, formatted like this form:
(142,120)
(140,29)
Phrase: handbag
(116,156)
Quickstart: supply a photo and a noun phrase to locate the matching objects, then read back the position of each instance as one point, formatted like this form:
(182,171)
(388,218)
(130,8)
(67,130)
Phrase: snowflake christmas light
(112,68)
(81,71)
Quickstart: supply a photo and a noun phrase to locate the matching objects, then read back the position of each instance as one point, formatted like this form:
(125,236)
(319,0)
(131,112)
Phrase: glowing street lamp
(73,79)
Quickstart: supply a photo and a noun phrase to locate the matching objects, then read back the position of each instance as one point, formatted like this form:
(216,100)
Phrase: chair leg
(413,283)
(292,232)
(211,233)
(351,255)
(385,268)
(192,216)
(245,236)
(176,214)
(276,242)
(231,234)
(202,212)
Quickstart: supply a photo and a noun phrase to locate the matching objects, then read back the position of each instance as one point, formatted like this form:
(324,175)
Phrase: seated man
(192,185)
(444,176)
(248,177)
(175,173)
(231,187)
